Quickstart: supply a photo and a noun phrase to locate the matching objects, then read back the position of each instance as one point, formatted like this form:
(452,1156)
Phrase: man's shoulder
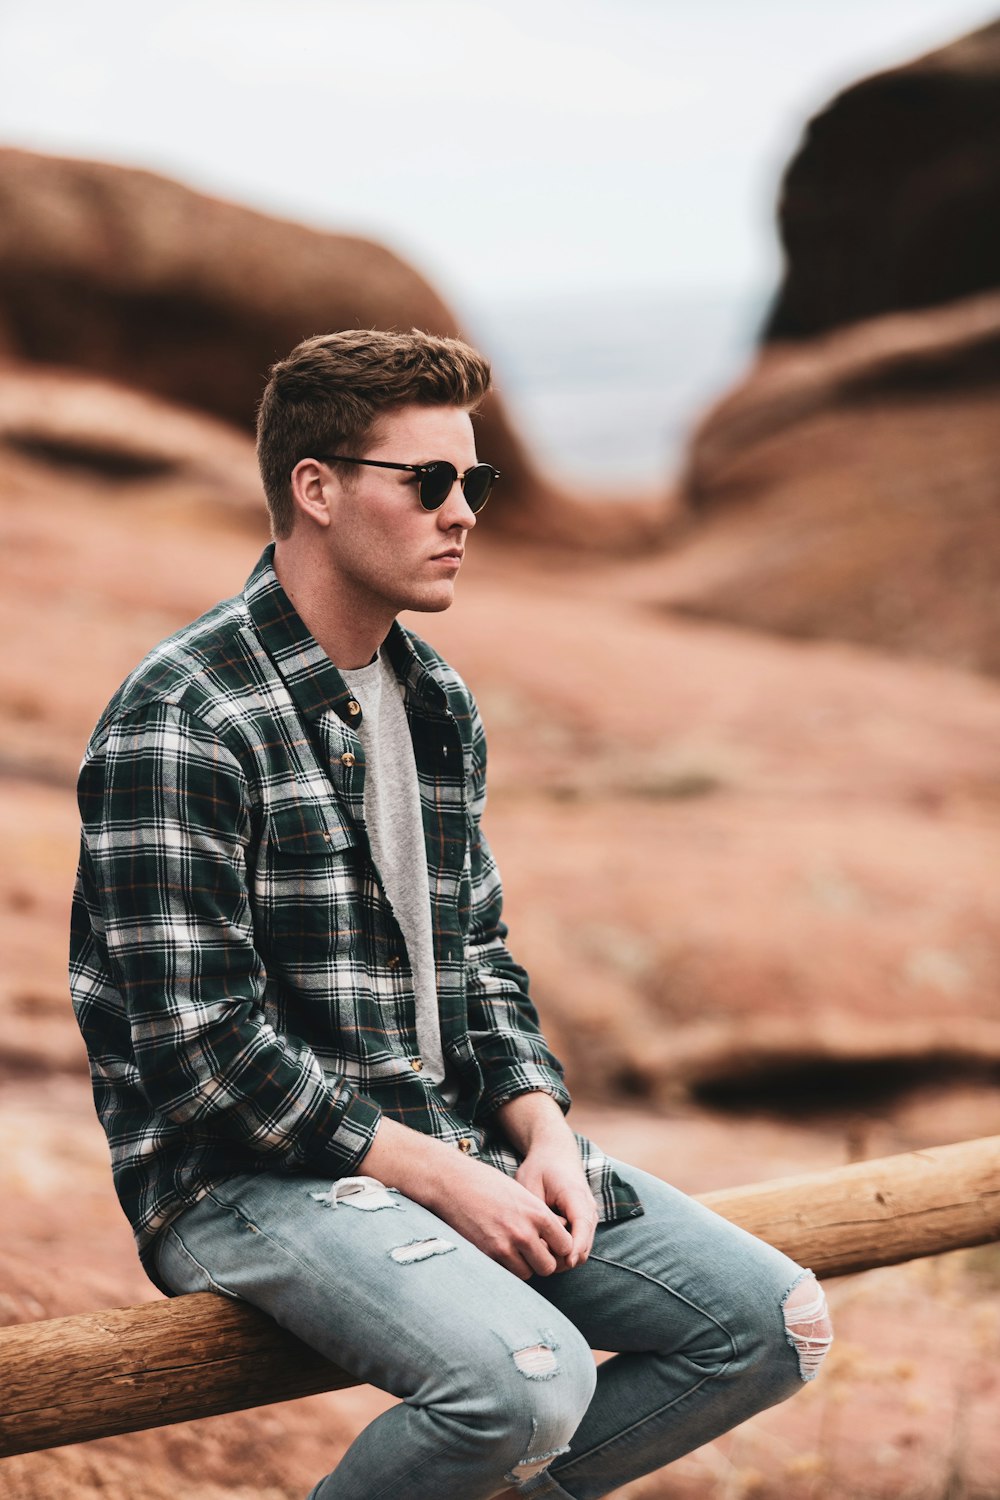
(200,669)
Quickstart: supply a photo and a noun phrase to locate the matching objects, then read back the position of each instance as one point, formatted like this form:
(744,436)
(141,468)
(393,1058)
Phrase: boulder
(893,199)
(847,488)
(140,280)
(60,426)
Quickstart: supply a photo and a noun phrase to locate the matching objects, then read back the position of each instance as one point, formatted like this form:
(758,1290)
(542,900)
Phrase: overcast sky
(508,147)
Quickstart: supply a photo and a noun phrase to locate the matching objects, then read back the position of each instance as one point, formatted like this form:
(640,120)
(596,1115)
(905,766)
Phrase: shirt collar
(307,671)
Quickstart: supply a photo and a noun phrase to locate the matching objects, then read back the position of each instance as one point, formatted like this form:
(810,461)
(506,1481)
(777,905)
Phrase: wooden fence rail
(92,1375)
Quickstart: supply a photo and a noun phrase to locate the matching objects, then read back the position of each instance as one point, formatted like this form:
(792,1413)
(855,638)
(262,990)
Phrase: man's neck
(348,631)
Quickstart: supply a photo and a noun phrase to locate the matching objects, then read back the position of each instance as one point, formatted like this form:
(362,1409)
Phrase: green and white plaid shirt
(237,972)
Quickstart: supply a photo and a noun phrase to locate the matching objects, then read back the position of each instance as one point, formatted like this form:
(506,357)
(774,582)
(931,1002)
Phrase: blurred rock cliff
(849,487)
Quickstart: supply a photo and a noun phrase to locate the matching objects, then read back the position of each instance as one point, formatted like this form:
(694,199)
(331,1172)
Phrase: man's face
(386,552)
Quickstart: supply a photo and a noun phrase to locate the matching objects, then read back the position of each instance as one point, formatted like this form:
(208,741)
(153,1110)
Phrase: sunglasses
(436,479)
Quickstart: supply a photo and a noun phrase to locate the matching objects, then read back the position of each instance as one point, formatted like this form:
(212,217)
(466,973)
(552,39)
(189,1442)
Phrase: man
(319,1068)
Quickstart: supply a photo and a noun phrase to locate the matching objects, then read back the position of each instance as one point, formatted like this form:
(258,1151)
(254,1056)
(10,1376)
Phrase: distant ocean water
(607,387)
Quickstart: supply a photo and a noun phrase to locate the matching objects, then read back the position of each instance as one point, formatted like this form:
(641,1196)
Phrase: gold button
(347,759)
(394,961)
(354,708)
(416,1063)
(465,1145)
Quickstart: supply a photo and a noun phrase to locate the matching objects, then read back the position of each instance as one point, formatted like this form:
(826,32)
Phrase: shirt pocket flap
(308,830)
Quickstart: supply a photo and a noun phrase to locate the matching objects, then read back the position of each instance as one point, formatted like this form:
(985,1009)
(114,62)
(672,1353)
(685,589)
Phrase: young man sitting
(319,1068)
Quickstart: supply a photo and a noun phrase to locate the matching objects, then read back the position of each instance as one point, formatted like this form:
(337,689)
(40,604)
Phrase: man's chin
(432,602)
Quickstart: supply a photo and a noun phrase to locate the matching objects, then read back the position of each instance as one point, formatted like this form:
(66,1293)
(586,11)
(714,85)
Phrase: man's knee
(549,1384)
(760,1330)
(807,1324)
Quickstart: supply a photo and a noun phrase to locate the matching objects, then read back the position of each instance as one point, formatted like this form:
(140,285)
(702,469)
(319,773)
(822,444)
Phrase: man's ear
(311,483)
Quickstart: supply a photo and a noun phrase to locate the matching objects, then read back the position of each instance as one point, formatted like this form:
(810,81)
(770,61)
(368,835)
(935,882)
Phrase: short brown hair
(328,395)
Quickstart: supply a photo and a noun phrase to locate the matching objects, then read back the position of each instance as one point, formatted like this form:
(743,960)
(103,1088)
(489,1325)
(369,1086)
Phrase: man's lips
(452,555)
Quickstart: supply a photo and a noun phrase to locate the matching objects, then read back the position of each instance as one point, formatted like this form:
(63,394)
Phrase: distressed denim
(496,1376)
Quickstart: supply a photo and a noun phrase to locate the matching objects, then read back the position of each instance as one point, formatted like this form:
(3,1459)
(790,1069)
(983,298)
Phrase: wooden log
(876,1213)
(72,1379)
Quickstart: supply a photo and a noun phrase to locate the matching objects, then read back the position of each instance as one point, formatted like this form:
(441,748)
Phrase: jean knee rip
(533,1463)
(359,1192)
(537,1361)
(807,1323)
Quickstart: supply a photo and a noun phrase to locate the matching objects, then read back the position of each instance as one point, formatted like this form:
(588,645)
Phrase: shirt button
(465,1145)
(347,759)
(354,708)
(394,961)
(416,1063)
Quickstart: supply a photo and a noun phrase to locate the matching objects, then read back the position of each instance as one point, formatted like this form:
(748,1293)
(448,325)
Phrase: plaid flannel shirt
(237,972)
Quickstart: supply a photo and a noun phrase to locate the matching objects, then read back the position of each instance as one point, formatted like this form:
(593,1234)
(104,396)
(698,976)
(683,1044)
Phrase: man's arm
(551,1167)
(163,891)
(523,1080)
(512,1053)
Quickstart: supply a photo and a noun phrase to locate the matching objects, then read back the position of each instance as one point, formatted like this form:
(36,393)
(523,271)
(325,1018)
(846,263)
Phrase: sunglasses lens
(438,478)
(477,485)
(436,483)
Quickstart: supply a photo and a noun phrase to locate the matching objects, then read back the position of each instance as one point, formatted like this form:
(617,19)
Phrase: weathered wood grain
(876,1213)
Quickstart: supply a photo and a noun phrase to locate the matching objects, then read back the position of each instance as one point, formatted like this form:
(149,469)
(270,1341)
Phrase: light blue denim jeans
(496,1376)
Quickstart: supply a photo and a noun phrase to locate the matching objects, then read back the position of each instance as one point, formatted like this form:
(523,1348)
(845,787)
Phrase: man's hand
(552,1168)
(502,1217)
(508,1221)
(555,1175)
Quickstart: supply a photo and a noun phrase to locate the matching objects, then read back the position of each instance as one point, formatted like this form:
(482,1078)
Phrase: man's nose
(456,510)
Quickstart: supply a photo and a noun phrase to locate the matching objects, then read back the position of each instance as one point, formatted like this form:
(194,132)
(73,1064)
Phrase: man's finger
(555,1235)
(539,1258)
(581,1212)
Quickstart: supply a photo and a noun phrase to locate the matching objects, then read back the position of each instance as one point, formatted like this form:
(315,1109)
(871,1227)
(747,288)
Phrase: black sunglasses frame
(427,472)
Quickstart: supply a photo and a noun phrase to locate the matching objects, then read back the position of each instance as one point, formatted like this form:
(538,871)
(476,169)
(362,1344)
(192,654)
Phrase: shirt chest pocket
(309,877)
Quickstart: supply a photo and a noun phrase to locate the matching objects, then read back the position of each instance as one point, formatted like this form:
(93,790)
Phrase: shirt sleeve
(166,835)
(504,1028)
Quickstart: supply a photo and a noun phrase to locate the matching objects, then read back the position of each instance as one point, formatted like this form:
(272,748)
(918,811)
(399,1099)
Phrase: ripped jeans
(496,1376)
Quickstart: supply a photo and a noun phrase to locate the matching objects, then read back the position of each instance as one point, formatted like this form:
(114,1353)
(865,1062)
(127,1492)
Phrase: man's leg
(713,1326)
(493,1380)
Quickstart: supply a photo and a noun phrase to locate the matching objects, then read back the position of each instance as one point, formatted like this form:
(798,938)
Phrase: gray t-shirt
(396,834)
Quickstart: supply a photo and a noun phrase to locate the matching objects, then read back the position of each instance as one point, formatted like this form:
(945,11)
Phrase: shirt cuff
(339,1151)
(510,1080)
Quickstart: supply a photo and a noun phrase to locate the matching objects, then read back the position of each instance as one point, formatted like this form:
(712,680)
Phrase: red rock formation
(893,200)
(848,488)
(136,278)
(59,422)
